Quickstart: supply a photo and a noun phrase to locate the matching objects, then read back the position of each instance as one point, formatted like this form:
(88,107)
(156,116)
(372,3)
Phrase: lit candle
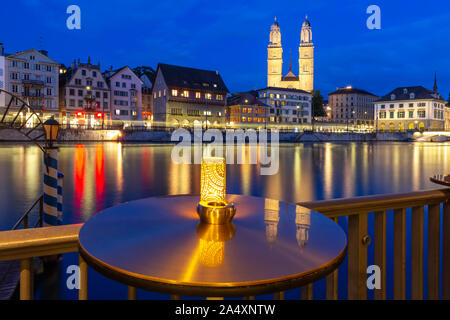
(213,175)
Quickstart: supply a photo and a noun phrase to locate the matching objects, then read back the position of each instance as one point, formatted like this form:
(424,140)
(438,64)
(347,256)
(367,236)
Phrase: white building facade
(411,108)
(34,77)
(126,96)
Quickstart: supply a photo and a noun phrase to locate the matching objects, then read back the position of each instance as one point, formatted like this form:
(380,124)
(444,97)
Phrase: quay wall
(74,135)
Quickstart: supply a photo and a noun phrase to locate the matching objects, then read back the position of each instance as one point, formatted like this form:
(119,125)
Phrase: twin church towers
(305,79)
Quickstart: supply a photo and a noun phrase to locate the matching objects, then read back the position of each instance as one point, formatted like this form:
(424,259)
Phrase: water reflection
(103,175)
(271,218)
(303,224)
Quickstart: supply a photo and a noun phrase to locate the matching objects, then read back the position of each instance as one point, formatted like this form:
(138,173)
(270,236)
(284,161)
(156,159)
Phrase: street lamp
(51,127)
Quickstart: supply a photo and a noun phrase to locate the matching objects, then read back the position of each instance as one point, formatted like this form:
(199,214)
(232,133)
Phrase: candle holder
(213,208)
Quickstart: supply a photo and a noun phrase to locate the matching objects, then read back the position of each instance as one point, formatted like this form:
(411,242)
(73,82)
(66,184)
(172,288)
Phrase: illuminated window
(249,110)
(174,92)
(186,94)
(244,119)
(244,110)
(198,95)
(208,96)
(219,97)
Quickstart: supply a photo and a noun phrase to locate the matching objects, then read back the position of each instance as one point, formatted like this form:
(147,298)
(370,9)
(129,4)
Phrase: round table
(443,179)
(158,244)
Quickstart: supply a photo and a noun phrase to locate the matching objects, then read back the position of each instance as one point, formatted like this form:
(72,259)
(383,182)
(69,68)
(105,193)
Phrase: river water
(99,176)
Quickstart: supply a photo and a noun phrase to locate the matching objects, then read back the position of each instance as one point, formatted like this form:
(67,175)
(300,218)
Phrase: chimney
(44,52)
(73,65)
(2,49)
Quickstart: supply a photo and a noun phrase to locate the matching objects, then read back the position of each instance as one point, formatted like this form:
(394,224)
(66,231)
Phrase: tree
(317,104)
(148,71)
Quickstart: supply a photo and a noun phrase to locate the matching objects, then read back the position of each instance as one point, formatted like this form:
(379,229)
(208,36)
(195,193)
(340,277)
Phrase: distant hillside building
(287,106)
(84,95)
(34,77)
(352,106)
(184,96)
(411,108)
(245,109)
(126,96)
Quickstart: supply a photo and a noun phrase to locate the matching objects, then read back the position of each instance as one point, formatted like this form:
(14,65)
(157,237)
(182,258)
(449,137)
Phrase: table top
(443,179)
(159,244)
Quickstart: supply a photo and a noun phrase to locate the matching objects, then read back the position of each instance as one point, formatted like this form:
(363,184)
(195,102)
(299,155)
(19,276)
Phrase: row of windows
(26,65)
(121,93)
(411,105)
(254,110)
(402,114)
(26,76)
(82,102)
(71,92)
(100,84)
(121,103)
(252,119)
(283,96)
(187,94)
(124,84)
(84,73)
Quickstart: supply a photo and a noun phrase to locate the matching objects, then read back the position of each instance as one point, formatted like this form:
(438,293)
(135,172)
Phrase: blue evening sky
(232,37)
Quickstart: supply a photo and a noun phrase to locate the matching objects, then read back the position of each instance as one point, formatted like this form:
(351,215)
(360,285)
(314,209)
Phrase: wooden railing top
(27,243)
(365,204)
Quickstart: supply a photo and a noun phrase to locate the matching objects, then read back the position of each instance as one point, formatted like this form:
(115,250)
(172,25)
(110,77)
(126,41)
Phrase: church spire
(435,83)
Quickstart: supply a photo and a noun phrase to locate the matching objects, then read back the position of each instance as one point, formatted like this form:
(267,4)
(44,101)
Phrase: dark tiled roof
(350,91)
(241,98)
(419,93)
(284,89)
(190,78)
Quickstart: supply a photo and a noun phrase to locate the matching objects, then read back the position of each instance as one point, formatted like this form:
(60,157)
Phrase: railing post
(433,250)
(83,291)
(417,253)
(25,279)
(332,280)
(357,257)
(132,293)
(278,295)
(399,254)
(307,292)
(446,252)
(380,218)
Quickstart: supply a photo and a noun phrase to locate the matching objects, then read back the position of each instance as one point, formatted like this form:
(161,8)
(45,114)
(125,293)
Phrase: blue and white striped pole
(51,187)
(60,195)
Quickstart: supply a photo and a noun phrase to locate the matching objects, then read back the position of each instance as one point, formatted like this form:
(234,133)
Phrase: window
(49,79)
(80,103)
(186,93)
(14,64)
(219,97)
(72,102)
(411,114)
(78,82)
(412,95)
(133,86)
(391,114)
(124,84)
(105,95)
(89,82)
(117,85)
(391,106)
(400,105)
(72,92)
(244,110)
(49,68)
(97,94)
(83,72)
(382,106)
(37,66)
(99,84)
(94,74)
(49,91)
(198,95)
(421,113)
(411,105)
(80,93)
(401,114)
(174,93)
(208,96)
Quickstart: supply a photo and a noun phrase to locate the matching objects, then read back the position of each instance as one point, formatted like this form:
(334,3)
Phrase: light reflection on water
(98,176)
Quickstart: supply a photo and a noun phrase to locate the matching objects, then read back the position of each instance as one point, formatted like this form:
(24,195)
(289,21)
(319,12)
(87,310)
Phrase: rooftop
(404,93)
(351,90)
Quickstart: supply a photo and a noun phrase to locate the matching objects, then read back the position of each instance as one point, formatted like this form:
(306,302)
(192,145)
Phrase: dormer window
(392,96)
(405,91)
(412,95)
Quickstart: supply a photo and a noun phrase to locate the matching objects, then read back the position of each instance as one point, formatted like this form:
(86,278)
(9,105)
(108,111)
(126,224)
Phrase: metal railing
(28,243)
(26,216)
(358,210)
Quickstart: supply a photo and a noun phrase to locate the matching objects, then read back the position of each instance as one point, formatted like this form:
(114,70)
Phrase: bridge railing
(26,244)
